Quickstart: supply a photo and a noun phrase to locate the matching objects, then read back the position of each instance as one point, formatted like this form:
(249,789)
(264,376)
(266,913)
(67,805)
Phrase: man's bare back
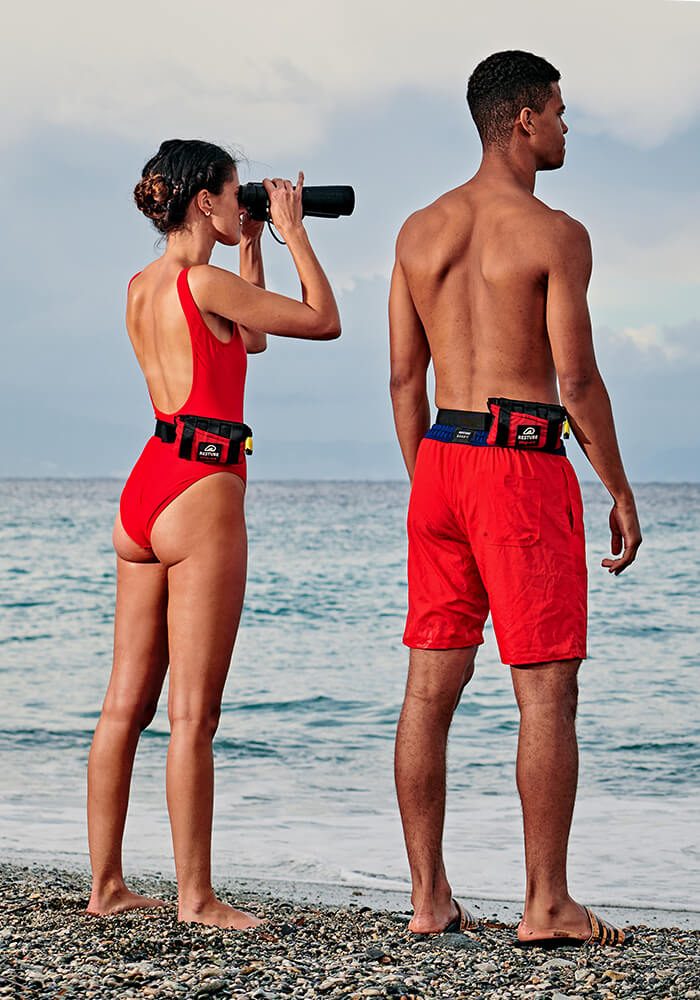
(476,263)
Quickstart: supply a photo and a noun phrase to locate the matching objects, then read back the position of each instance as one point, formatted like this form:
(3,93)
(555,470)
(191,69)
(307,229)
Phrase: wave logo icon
(209,452)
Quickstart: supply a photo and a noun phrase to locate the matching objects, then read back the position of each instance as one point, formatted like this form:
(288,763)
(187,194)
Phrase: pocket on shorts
(513,511)
(574,499)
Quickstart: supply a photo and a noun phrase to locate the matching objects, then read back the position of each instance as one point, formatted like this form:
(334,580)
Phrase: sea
(304,786)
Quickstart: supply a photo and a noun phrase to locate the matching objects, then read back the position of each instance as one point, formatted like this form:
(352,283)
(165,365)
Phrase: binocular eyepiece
(323,202)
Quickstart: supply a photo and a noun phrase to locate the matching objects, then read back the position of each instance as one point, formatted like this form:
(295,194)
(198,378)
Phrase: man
(491,285)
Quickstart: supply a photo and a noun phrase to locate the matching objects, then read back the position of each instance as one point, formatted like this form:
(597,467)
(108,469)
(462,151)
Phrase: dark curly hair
(179,170)
(502,85)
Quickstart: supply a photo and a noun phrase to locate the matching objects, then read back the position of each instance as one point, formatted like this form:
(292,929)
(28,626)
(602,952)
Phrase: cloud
(651,350)
(633,262)
(648,338)
(372,97)
(652,374)
(273,77)
(672,344)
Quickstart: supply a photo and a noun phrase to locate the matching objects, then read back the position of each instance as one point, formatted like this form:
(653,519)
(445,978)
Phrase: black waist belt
(189,429)
(469,420)
(509,423)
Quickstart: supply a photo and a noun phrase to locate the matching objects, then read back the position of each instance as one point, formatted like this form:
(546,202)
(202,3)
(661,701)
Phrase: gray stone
(327,985)
(457,942)
(558,963)
(211,986)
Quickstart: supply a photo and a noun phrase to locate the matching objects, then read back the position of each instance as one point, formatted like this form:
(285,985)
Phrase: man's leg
(547,775)
(436,679)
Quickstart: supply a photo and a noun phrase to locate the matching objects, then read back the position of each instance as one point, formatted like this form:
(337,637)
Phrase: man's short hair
(502,85)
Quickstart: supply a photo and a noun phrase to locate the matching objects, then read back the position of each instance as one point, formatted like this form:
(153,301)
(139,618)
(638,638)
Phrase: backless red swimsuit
(218,381)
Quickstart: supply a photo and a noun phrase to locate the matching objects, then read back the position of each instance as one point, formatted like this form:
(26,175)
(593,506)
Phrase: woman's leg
(139,666)
(201,537)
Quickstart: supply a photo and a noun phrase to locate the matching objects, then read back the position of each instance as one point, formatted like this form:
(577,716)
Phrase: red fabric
(519,421)
(497,529)
(218,382)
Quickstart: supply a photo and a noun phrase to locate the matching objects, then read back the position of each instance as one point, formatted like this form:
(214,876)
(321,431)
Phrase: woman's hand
(285,203)
(251,229)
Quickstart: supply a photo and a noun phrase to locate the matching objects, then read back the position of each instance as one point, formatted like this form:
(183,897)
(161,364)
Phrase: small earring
(207,214)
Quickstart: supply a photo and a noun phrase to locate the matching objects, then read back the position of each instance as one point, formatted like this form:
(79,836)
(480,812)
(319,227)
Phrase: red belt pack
(204,439)
(534,426)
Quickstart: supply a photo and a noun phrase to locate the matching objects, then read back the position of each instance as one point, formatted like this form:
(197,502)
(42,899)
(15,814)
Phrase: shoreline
(392,898)
(317,941)
(505,911)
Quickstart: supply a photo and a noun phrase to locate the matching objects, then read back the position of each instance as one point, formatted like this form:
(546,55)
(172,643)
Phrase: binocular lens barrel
(322,202)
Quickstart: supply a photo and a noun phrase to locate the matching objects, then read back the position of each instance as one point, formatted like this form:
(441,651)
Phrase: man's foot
(214,913)
(118,899)
(452,919)
(570,926)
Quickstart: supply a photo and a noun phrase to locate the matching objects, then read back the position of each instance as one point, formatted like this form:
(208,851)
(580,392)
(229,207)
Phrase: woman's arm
(315,317)
(251,269)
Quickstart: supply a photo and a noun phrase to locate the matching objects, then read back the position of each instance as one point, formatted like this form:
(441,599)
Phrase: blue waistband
(457,435)
(449,434)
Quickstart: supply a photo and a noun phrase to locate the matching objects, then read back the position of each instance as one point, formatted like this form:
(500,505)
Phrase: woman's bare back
(159,333)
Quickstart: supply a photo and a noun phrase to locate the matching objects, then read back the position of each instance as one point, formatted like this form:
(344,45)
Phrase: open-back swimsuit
(218,381)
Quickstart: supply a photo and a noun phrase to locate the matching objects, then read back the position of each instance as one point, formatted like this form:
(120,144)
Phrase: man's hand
(626,536)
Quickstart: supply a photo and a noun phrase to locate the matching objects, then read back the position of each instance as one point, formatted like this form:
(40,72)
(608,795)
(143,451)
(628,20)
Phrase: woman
(180,534)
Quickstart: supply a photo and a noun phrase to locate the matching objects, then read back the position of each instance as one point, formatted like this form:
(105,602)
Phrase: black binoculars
(324,202)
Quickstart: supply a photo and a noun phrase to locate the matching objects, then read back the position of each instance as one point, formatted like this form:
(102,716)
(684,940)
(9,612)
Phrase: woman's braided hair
(180,169)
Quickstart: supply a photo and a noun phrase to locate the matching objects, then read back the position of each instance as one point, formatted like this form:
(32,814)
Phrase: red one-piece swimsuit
(218,382)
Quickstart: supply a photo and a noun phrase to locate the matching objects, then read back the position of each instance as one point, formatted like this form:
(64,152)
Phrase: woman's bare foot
(117,898)
(214,913)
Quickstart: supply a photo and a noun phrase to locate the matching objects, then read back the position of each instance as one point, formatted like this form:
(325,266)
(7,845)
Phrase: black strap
(470,420)
(503,430)
(552,439)
(231,430)
(547,411)
(165,431)
(187,439)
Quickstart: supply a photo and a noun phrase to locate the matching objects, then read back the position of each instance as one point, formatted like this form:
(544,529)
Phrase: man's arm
(581,387)
(410,357)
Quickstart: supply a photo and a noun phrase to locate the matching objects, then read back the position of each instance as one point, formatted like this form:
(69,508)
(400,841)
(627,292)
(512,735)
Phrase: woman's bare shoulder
(210,277)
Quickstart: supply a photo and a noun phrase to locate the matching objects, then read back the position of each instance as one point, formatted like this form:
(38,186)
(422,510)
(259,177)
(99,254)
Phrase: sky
(354,93)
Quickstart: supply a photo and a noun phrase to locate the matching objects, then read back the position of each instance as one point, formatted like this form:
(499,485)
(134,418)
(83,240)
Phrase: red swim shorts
(497,529)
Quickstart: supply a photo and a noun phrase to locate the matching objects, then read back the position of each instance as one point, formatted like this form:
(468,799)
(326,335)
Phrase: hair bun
(153,195)
(172,178)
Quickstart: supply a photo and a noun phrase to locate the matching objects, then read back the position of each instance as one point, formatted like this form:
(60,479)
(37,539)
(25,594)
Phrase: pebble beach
(49,948)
